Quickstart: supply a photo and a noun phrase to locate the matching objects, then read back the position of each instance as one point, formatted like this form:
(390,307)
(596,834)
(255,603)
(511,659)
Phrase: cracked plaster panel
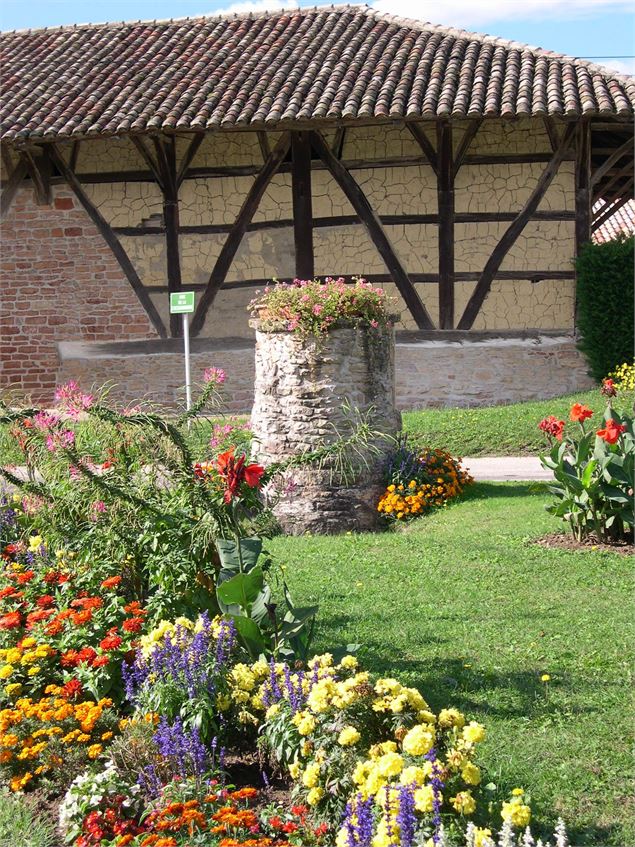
(520,304)
(126,203)
(327,198)
(220,149)
(542,245)
(410,190)
(499,138)
(379,142)
(110,154)
(349,250)
(506,188)
(212,201)
(148,257)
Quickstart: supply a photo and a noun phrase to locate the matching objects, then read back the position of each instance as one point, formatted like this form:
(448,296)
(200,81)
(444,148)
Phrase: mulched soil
(562,541)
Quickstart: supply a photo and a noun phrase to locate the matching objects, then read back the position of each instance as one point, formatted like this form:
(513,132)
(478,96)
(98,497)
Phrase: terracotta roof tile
(622,221)
(344,63)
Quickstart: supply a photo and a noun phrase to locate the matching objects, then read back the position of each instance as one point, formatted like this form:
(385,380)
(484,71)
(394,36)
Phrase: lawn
(463,605)
(510,430)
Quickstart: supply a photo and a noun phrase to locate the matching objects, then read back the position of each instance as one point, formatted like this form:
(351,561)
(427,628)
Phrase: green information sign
(181,302)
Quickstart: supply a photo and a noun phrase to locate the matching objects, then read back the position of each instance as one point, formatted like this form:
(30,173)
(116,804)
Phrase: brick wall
(60,282)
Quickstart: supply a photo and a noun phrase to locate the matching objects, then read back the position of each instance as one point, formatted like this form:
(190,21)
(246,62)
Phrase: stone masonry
(302,386)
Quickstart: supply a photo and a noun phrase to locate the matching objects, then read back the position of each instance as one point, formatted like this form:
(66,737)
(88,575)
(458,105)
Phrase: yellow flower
(471,774)
(94,750)
(295,770)
(424,799)
(516,812)
(13,688)
(34,670)
(464,803)
(348,736)
(545,677)
(419,740)
(311,775)
(6,671)
(314,796)
(473,732)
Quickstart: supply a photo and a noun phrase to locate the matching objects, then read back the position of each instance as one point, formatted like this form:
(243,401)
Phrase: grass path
(464,606)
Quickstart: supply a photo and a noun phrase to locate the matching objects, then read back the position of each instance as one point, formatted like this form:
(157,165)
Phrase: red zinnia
(111,642)
(10,620)
(70,659)
(132,624)
(73,688)
(25,577)
(579,412)
(45,600)
(612,431)
(80,618)
(100,661)
(86,654)
(111,582)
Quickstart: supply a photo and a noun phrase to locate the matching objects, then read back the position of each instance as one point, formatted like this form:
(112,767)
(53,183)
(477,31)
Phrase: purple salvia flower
(406,817)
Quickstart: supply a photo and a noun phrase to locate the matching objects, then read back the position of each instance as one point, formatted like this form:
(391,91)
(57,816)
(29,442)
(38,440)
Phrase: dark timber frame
(602,154)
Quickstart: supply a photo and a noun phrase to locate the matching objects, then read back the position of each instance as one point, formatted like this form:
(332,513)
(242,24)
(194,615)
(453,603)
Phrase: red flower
(612,431)
(72,689)
(25,577)
(552,427)
(10,620)
(9,591)
(132,624)
(134,608)
(290,827)
(100,661)
(86,654)
(111,582)
(299,810)
(234,471)
(320,830)
(111,642)
(45,600)
(608,388)
(70,659)
(579,413)
(80,618)
(38,617)
(54,627)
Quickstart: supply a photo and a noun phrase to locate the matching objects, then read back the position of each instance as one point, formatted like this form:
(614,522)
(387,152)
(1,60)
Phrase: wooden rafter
(513,231)
(371,221)
(302,205)
(16,177)
(424,142)
(147,158)
(263,142)
(231,245)
(72,162)
(338,141)
(624,150)
(552,132)
(445,199)
(605,188)
(610,209)
(465,143)
(111,240)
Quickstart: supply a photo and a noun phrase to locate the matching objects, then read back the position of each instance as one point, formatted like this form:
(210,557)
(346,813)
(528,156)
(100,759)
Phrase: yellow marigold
(348,736)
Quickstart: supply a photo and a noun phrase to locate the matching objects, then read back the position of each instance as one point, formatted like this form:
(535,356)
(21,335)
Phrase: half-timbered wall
(397,190)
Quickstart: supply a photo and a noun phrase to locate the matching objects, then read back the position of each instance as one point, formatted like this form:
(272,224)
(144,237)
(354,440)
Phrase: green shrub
(22,824)
(605,304)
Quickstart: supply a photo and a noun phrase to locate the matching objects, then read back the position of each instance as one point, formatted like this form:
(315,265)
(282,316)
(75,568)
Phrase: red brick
(73,231)
(63,202)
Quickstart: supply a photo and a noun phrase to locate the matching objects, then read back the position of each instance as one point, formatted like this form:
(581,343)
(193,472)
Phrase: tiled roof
(276,68)
(623,221)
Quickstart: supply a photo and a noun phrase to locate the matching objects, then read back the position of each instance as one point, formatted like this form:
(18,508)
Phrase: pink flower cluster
(72,400)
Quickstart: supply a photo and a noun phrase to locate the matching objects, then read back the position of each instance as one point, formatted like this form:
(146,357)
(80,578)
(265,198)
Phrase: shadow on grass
(486,490)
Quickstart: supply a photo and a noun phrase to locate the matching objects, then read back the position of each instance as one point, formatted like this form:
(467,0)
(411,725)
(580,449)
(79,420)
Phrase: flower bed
(132,656)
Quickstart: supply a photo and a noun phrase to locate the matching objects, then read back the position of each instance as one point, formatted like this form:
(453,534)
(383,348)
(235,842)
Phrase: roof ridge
(398,20)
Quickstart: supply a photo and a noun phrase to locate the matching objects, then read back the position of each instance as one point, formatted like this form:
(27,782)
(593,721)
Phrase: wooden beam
(145,155)
(350,220)
(516,227)
(111,240)
(165,148)
(188,158)
(338,142)
(231,245)
(610,211)
(265,147)
(582,186)
(422,140)
(371,221)
(18,174)
(623,150)
(302,205)
(39,167)
(466,141)
(552,132)
(72,162)
(445,200)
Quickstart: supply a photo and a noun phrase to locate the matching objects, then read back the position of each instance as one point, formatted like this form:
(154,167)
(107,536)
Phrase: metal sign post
(182,303)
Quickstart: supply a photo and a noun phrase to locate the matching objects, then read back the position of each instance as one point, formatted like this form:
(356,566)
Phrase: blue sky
(604,28)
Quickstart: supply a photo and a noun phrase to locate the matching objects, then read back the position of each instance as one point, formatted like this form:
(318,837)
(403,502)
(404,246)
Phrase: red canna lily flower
(233,471)
(579,412)
(611,432)
(552,426)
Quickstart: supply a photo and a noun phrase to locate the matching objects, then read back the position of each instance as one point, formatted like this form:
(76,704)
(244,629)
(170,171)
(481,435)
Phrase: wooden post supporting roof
(582,185)
(111,240)
(302,205)
(445,199)
(239,227)
(513,231)
(166,165)
(16,176)
(371,221)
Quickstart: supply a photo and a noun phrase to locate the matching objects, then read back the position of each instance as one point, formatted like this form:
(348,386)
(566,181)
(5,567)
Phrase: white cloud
(242,8)
(466,14)
(625,66)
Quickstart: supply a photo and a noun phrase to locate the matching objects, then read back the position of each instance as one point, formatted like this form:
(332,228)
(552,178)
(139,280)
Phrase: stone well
(302,386)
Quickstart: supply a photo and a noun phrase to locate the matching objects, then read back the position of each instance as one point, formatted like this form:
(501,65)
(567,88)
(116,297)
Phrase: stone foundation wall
(428,373)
